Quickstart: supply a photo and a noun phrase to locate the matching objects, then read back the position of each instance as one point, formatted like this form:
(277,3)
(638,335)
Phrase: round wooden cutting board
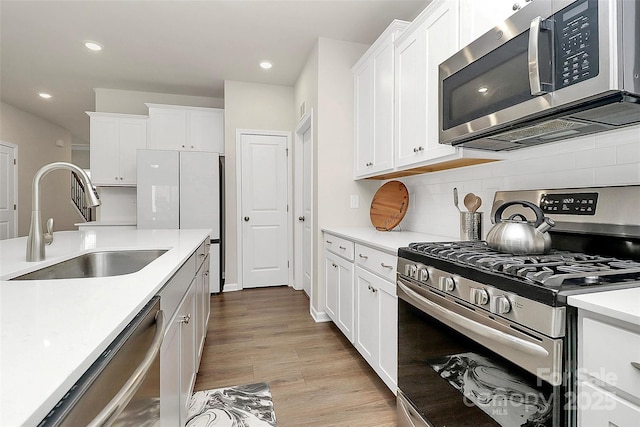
(389,205)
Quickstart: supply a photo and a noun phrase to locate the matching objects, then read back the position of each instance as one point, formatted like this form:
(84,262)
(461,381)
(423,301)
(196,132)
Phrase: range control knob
(500,305)
(479,296)
(446,284)
(410,270)
(423,274)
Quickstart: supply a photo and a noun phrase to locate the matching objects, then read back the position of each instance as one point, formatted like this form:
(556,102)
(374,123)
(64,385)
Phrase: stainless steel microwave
(554,70)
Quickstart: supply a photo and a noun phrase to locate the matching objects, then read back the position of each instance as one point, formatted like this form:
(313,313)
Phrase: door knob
(301,218)
(246,218)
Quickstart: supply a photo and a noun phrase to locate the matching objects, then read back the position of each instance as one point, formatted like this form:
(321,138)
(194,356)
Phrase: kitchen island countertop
(53,330)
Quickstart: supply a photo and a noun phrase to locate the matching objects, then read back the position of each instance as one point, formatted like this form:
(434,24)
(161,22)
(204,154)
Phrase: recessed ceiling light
(483,89)
(44,95)
(266,65)
(91,45)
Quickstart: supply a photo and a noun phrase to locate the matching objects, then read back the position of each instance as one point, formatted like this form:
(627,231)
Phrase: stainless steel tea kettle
(518,236)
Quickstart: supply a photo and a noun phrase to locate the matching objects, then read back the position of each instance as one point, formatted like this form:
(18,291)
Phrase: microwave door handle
(537,87)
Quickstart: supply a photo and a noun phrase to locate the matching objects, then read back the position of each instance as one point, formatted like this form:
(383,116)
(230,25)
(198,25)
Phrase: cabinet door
(388,332)
(367,316)
(417,59)
(478,17)
(167,129)
(411,103)
(364,142)
(104,154)
(331,278)
(206,130)
(132,137)
(170,376)
(187,317)
(346,300)
(383,87)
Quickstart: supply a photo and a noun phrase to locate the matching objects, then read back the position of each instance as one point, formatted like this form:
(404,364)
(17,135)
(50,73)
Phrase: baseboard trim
(231,287)
(319,316)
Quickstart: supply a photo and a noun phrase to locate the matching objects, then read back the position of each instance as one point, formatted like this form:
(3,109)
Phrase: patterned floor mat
(242,406)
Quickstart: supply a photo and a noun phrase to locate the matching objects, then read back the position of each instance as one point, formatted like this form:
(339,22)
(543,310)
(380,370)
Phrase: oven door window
(453,381)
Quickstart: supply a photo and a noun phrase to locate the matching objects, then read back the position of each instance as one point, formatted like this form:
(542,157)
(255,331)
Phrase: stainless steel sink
(96,264)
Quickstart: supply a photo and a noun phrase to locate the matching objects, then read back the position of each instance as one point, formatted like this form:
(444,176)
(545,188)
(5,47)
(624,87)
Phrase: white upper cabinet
(174,127)
(430,39)
(374,105)
(114,139)
(478,17)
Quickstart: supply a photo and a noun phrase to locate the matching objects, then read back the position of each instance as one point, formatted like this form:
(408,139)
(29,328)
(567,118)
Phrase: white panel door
(8,226)
(158,194)
(200,191)
(306,212)
(264,210)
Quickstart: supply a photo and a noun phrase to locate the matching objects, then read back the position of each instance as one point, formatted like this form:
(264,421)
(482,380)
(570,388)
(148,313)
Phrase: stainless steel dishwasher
(122,387)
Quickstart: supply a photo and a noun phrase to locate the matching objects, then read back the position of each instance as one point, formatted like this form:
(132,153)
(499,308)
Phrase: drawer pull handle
(342,247)
(329,242)
(385,265)
(363,256)
(636,365)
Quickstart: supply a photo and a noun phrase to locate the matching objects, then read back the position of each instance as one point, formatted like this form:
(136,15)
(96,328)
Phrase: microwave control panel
(576,35)
(569,204)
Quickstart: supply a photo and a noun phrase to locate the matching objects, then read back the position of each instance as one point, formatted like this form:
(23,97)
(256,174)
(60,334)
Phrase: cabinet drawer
(608,352)
(201,253)
(378,262)
(174,290)
(339,246)
(599,408)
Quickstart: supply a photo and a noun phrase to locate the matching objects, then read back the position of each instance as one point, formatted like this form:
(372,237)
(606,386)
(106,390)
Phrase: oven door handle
(456,319)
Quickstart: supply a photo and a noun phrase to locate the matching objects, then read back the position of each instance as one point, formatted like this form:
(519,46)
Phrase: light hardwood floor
(317,378)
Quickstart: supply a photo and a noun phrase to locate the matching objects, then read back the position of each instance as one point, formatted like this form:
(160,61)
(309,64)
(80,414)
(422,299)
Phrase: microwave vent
(536,131)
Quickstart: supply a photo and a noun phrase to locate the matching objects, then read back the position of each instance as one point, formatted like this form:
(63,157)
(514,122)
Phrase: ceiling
(178,47)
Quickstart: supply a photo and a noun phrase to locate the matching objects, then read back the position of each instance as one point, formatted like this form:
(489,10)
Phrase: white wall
(326,85)
(605,159)
(248,106)
(132,102)
(36,139)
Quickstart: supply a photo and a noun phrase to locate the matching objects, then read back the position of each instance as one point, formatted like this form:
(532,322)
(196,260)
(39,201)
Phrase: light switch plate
(355,201)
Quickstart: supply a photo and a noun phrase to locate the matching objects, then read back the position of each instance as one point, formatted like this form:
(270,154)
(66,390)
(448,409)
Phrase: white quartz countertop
(623,304)
(53,330)
(388,241)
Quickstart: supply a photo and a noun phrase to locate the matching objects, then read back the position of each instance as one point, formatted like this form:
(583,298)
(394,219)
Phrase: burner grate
(550,270)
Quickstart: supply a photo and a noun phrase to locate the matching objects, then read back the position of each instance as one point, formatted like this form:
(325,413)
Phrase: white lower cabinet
(340,293)
(360,297)
(608,372)
(183,302)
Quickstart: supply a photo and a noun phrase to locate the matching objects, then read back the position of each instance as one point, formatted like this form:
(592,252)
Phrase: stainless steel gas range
(486,338)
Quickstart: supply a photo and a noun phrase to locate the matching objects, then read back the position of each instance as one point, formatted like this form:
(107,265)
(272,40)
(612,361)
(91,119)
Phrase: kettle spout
(546,225)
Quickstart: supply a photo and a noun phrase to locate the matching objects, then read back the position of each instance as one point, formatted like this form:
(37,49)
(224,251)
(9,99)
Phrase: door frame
(14,147)
(287,135)
(305,123)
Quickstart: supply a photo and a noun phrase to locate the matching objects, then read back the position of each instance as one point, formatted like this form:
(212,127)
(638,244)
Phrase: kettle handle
(539,214)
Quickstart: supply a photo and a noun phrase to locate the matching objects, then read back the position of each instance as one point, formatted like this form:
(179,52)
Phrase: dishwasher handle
(115,407)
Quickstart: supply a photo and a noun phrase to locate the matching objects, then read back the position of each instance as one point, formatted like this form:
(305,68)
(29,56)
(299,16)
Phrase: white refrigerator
(182,189)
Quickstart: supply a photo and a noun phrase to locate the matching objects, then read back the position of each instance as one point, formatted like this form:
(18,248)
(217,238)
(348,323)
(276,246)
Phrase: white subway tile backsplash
(618,175)
(605,156)
(628,153)
(611,158)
